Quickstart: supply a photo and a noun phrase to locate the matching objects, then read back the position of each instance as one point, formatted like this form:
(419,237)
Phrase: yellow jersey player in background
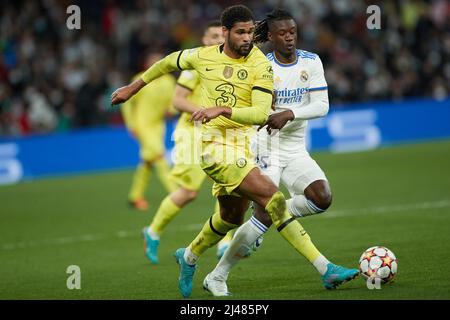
(144,117)
(237,84)
(186,173)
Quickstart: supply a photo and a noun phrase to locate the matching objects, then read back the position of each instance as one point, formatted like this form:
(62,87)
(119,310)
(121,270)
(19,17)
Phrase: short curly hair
(233,14)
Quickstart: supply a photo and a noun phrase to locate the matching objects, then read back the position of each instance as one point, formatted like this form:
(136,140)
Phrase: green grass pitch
(398,197)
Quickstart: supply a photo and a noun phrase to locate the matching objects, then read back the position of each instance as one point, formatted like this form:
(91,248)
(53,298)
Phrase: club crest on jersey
(227,72)
(304,76)
(242,74)
(241,162)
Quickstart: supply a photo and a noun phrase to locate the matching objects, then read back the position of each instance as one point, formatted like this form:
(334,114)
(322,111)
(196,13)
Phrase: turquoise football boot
(186,273)
(150,247)
(336,275)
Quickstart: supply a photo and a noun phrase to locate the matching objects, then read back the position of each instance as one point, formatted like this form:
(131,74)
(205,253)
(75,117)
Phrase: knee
(322,199)
(187,196)
(190,194)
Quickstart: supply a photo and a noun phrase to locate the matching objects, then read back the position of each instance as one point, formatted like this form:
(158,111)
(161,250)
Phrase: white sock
(299,206)
(152,234)
(190,257)
(243,239)
(321,264)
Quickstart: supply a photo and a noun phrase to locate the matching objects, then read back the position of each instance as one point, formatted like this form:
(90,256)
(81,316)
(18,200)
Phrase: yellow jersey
(244,84)
(147,108)
(190,80)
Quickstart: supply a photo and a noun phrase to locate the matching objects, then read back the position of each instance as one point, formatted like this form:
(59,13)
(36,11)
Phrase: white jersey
(283,156)
(293,84)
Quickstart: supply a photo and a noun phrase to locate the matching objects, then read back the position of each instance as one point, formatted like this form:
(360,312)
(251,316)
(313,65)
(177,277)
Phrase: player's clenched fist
(277,120)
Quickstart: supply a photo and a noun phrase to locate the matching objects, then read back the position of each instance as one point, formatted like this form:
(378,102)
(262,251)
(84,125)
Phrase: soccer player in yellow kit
(237,84)
(186,173)
(144,116)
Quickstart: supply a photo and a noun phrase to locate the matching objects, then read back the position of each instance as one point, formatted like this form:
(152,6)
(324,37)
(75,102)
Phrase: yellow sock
(166,212)
(163,172)
(229,235)
(291,229)
(140,182)
(217,206)
(213,230)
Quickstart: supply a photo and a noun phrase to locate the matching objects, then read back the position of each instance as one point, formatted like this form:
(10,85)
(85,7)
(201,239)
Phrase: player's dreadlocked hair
(263,26)
(233,14)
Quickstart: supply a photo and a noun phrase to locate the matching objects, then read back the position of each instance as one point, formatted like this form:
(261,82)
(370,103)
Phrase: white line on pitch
(391,208)
(198,226)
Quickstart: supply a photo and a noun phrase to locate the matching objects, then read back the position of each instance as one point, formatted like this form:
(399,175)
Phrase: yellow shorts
(190,177)
(227,165)
(151,144)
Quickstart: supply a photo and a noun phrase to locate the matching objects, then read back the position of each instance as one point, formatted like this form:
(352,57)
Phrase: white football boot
(216,284)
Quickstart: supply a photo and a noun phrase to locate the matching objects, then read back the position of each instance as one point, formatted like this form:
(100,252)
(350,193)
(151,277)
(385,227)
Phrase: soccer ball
(378,262)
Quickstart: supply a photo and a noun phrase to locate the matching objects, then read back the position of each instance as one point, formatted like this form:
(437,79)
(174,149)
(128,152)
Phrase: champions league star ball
(378,262)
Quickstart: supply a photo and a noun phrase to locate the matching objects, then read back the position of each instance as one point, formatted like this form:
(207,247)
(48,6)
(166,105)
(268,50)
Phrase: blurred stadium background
(386,87)
(56,79)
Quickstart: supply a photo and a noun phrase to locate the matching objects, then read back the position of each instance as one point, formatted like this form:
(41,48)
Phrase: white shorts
(295,169)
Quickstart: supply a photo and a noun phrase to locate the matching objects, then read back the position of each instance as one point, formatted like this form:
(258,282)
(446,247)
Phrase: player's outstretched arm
(124,93)
(168,64)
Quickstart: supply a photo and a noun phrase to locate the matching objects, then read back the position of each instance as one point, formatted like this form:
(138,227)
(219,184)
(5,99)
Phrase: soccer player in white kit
(300,93)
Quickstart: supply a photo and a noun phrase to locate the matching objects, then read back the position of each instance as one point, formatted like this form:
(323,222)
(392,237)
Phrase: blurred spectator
(52,78)
(40,115)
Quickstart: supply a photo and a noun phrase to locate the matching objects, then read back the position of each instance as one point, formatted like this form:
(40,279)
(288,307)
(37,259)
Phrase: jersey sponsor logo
(269,74)
(289,96)
(242,74)
(304,76)
(227,72)
(227,97)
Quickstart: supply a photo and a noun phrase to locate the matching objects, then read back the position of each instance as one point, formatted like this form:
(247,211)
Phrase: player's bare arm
(124,93)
